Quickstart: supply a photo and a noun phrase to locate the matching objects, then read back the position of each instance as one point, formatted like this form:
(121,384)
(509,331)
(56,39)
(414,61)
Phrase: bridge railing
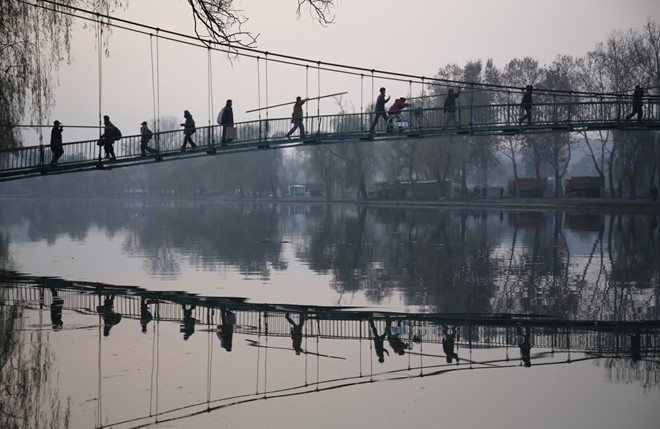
(468,118)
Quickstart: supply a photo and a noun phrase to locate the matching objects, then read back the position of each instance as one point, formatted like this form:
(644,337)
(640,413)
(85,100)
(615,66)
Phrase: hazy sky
(415,36)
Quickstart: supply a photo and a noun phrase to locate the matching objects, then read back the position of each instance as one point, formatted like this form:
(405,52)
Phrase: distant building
(584,186)
(297,190)
(423,190)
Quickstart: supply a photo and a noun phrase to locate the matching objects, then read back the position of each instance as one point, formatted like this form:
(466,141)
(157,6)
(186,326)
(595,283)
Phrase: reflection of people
(526,104)
(448,344)
(188,323)
(635,347)
(226,329)
(297,332)
(110,316)
(379,346)
(56,310)
(397,345)
(525,346)
(56,142)
(145,314)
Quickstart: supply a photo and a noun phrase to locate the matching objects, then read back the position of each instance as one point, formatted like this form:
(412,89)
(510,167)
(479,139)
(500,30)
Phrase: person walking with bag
(188,130)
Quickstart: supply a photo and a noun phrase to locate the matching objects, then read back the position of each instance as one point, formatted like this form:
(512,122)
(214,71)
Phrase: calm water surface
(117,319)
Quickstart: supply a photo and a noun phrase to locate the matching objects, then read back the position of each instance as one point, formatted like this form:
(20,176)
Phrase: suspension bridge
(413,124)
(559,111)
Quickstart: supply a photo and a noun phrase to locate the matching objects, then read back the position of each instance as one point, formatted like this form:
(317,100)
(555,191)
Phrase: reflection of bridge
(555,342)
(474,330)
(471,120)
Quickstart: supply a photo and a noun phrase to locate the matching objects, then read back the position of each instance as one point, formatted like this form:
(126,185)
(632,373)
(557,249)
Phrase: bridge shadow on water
(340,347)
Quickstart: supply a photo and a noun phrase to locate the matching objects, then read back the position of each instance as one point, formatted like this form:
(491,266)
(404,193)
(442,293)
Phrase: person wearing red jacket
(398,105)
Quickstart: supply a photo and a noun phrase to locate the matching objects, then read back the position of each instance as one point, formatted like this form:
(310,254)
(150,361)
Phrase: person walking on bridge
(297,118)
(145,136)
(380,109)
(637,103)
(227,121)
(526,104)
(56,142)
(108,138)
(188,130)
(450,106)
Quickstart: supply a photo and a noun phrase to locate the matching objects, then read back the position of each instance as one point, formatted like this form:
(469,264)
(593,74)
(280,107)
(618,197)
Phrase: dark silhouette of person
(526,105)
(188,323)
(450,106)
(145,137)
(525,346)
(397,345)
(448,341)
(110,316)
(654,194)
(637,103)
(379,342)
(188,130)
(145,314)
(227,122)
(380,109)
(636,347)
(110,134)
(296,331)
(226,329)
(297,118)
(56,142)
(56,310)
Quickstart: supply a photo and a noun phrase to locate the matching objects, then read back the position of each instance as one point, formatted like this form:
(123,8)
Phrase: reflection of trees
(27,398)
(5,257)
(622,371)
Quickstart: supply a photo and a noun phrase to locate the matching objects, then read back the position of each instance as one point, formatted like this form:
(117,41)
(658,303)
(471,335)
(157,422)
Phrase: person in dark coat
(296,332)
(450,106)
(297,118)
(227,122)
(188,130)
(525,346)
(448,342)
(145,137)
(145,314)
(56,310)
(56,142)
(188,323)
(110,316)
(637,103)
(226,329)
(108,138)
(526,104)
(379,340)
(380,109)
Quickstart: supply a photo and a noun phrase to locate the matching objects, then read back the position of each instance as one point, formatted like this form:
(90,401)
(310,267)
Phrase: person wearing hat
(145,137)
(56,142)
(526,104)
(637,103)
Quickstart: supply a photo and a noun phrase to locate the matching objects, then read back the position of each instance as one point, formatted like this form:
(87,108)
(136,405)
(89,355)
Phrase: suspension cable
(153,77)
(283,58)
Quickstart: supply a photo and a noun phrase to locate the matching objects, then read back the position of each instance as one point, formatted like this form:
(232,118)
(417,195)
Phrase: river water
(121,310)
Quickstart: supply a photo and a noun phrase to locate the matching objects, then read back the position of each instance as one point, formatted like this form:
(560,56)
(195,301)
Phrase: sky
(416,37)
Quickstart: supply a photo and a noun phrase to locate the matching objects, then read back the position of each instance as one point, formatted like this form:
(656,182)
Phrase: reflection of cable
(153,367)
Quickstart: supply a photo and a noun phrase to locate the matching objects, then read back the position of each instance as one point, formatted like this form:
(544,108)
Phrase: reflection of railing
(492,119)
(603,337)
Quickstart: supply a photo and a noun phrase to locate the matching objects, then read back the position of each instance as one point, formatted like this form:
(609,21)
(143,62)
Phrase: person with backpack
(188,130)
(226,119)
(110,135)
(145,137)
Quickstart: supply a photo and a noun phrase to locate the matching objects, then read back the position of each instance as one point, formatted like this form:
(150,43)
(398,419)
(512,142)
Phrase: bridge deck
(486,120)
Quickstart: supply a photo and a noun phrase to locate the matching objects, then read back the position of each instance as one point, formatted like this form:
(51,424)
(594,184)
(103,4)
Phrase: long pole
(292,102)
(49,126)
